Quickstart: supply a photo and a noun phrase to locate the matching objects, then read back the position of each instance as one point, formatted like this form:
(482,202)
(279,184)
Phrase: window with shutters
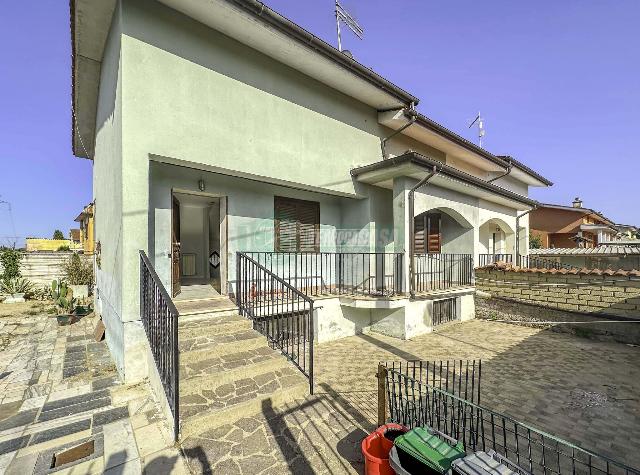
(427,236)
(297,225)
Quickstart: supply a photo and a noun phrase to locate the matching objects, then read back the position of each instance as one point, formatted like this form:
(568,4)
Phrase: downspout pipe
(383,142)
(509,168)
(412,191)
(518,232)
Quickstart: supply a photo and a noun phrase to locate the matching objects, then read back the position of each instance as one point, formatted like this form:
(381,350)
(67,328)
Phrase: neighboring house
(48,245)
(85,233)
(609,256)
(626,232)
(74,236)
(570,226)
(220,127)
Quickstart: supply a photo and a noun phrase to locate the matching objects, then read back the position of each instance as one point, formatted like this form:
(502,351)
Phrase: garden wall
(584,325)
(593,291)
(42,267)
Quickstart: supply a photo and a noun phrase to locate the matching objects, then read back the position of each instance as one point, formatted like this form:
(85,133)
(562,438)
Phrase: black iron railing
(487,259)
(160,320)
(535,262)
(278,310)
(414,400)
(442,271)
(337,273)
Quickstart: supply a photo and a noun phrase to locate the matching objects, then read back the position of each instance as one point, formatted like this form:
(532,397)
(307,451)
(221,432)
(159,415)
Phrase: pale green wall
(107,191)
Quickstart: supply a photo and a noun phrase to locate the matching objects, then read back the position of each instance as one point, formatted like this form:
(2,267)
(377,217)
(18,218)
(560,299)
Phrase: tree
(57,234)
(10,260)
(535,241)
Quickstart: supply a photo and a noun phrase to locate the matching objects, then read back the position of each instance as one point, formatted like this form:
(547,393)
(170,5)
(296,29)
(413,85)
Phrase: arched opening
(497,242)
(442,230)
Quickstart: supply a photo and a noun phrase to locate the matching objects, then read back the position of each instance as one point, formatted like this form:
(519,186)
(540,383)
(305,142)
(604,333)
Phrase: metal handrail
(278,310)
(160,321)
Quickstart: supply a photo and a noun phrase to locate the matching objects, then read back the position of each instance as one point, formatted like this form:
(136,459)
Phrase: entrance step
(210,408)
(206,347)
(228,371)
(204,306)
(213,325)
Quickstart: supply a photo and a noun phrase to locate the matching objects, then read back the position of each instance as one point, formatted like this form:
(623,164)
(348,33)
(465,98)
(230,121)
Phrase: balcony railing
(488,259)
(373,274)
(442,271)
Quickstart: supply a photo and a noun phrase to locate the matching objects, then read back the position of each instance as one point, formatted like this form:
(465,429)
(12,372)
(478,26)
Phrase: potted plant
(65,302)
(15,288)
(79,275)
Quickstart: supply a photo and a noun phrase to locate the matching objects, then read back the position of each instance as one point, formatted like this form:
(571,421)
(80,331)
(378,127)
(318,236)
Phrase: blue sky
(558,83)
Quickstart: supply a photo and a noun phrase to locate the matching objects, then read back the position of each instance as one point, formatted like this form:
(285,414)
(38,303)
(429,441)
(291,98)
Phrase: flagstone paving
(59,388)
(582,390)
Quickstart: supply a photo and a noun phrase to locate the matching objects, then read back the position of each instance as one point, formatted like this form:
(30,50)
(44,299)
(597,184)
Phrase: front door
(175,247)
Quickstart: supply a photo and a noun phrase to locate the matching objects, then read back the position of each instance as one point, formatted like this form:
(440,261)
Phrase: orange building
(570,226)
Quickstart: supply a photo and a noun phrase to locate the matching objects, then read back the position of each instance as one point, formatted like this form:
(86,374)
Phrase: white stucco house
(218,127)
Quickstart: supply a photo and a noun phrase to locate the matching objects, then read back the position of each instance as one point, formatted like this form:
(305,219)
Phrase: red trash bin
(376,447)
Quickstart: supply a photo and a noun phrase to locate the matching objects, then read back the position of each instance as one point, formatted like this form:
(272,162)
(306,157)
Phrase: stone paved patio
(582,390)
(59,388)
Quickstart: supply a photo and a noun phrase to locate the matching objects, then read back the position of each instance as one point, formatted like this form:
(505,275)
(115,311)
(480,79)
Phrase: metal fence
(487,259)
(442,271)
(278,310)
(535,262)
(414,400)
(336,273)
(160,320)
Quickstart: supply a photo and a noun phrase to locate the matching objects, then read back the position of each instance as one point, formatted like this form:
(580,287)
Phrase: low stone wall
(43,267)
(587,326)
(598,292)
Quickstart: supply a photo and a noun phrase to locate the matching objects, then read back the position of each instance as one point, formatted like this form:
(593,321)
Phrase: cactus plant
(63,296)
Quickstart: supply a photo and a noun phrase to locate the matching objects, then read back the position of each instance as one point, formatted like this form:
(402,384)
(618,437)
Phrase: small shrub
(15,286)
(10,260)
(77,271)
(41,293)
(535,241)
(64,248)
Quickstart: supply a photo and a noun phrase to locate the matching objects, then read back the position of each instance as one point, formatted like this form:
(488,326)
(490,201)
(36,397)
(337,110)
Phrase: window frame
(297,203)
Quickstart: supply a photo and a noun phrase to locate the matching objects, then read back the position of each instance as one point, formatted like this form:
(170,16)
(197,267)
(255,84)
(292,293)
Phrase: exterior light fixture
(201,186)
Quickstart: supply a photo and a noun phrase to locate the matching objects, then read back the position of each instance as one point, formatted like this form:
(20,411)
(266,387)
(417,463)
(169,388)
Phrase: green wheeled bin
(424,450)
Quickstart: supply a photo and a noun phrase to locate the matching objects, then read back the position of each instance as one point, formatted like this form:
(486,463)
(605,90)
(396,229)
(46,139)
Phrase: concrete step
(217,325)
(218,365)
(204,306)
(207,347)
(219,375)
(226,403)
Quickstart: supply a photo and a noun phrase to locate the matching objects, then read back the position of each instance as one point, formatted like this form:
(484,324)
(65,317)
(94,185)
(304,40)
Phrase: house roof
(414,164)
(426,130)
(577,210)
(606,250)
(506,267)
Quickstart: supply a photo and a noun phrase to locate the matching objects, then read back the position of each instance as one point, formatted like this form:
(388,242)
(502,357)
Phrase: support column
(401,225)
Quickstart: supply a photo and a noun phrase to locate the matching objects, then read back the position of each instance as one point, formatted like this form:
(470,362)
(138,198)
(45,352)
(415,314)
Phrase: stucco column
(401,224)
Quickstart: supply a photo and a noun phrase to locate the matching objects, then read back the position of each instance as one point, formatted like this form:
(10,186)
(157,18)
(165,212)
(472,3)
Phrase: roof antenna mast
(344,16)
(480,121)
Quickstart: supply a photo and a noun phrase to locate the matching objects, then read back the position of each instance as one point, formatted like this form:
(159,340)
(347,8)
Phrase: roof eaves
(295,31)
(421,160)
(526,169)
(449,134)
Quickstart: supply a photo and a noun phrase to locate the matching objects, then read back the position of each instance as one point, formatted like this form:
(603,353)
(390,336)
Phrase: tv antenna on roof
(344,16)
(480,121)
